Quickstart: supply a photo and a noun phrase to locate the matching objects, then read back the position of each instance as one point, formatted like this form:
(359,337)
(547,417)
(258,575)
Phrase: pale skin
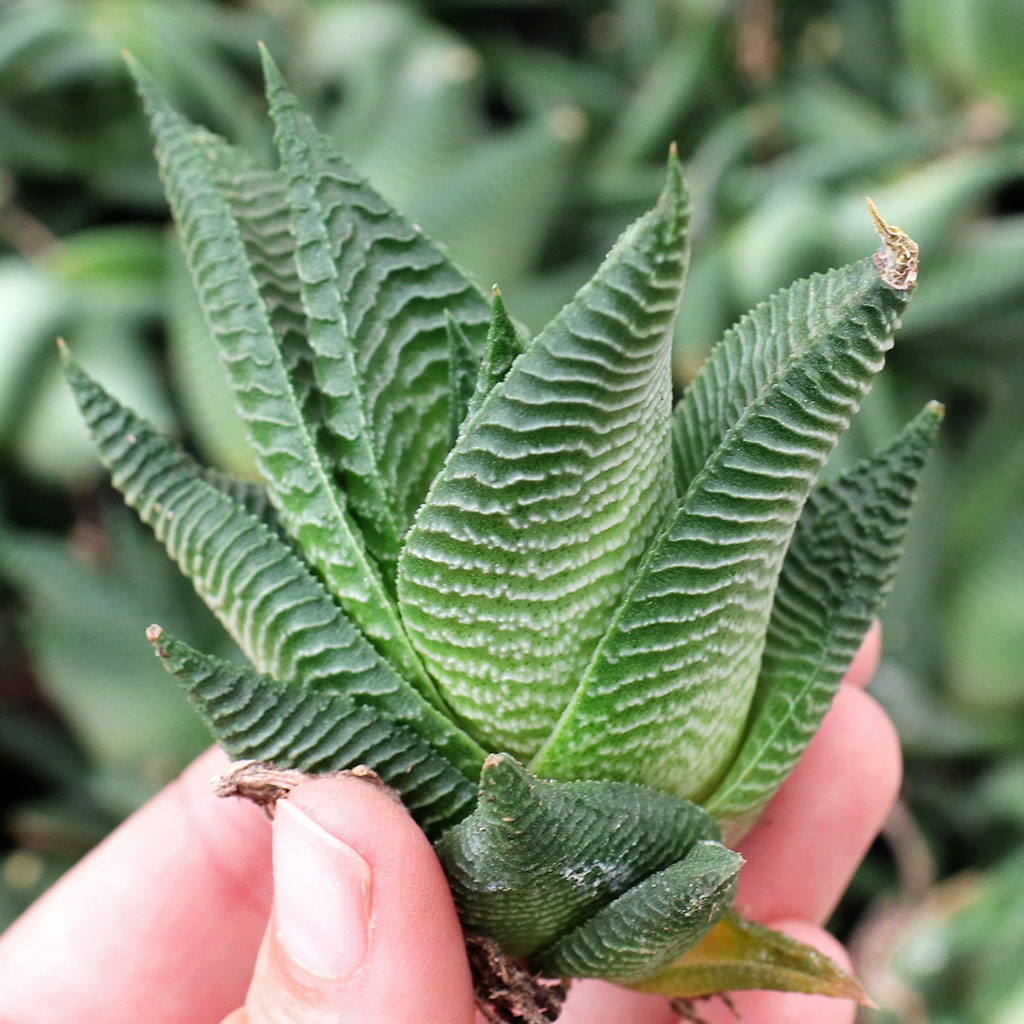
(167,920)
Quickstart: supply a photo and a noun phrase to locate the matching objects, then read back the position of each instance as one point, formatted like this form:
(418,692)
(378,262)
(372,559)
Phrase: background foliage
(525,136)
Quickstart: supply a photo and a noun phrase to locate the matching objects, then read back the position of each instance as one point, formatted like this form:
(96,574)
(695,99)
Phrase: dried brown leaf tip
(897,260)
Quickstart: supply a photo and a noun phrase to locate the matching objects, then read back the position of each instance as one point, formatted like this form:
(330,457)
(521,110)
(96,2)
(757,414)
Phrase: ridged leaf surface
(536,858)
(395,288)
(311,507)
(550,495)
(267,599)
(838,569)
(652,924)
(666,695)
(254,716)
(306,164)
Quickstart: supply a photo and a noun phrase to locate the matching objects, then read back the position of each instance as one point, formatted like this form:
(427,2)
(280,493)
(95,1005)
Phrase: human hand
(165,919)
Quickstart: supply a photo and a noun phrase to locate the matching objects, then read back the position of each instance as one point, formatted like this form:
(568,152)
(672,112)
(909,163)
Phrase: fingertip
(363,927)
(817,828)
(600,1002)
(866,660)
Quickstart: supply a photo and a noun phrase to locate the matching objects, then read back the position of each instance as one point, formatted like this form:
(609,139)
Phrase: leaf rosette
(585,634)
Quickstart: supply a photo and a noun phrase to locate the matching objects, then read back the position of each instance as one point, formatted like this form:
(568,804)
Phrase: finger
(865,661)
(162,919)
(599,1002)
(363,926)
(789,1007)
(803,851)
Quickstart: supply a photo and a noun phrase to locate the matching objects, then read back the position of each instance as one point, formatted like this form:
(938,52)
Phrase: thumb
(363,926)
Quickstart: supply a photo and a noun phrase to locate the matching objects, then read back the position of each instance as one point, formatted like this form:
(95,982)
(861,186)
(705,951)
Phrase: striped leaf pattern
(396,289)
(277,612)
(310,506)
(653,923)
(666,696)
(838,569)
(306,164)
(254,716)
(552,492)
(259,205)
(560,849)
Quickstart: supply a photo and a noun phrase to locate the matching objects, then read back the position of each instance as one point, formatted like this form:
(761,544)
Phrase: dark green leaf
(254,716)
(652,924)
(536,858)
(839,567)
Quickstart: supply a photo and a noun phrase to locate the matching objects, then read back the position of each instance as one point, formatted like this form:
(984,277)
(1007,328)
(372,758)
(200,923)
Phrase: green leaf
(536,858)
(652,924)
(306,162)
(310,506)
(259,205)
(666,695)
(504,344)
(395,288)
(200,378)
(263,594)
(740,954)
(838,569)
(254,716)
(549,497)
(463,370)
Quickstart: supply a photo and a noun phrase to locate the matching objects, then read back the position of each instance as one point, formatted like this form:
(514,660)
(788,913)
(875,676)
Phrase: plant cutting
(584,635)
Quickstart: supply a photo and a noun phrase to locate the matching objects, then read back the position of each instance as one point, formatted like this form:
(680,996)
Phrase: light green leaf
(254,716)
(665,698)
(652,924)
(740,954)
(310,506)
(276,610)
(549,497)
(838,569)
(504,344)
(536,858)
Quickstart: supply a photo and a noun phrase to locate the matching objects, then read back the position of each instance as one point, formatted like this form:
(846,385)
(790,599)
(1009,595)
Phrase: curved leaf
(653,923)
(254,716)
(266,598)
(838,569)
(550,495)
(741,954)
(666,695)
(310,506)
(537,857)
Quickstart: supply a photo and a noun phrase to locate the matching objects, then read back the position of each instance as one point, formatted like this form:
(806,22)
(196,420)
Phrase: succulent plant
(584,634)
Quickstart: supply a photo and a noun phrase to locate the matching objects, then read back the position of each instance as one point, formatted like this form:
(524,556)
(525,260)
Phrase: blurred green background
(525,136)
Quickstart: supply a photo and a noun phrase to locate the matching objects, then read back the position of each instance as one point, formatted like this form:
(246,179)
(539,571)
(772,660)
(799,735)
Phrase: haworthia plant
(580,633)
